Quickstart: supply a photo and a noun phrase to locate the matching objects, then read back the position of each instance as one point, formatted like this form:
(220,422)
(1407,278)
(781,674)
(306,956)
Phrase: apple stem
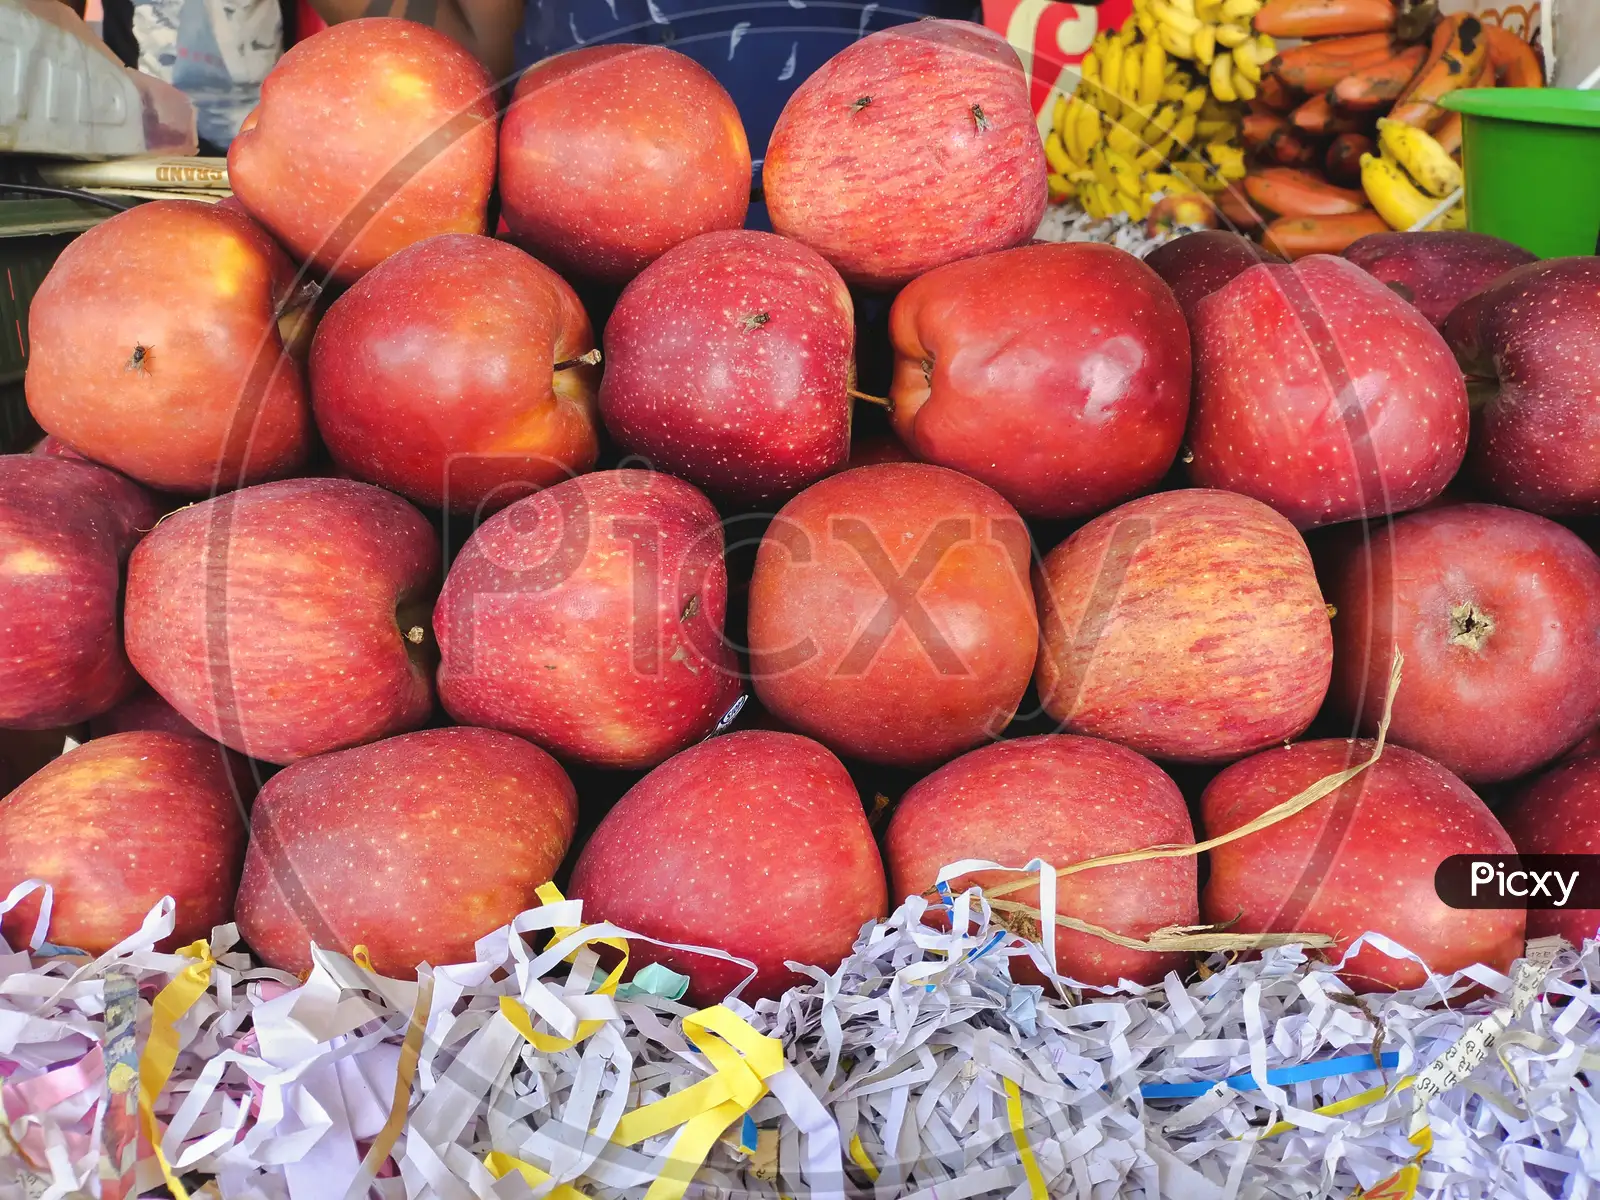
(591,359)
(880,401)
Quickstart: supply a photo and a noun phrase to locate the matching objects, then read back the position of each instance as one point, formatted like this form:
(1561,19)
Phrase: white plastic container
(63,93)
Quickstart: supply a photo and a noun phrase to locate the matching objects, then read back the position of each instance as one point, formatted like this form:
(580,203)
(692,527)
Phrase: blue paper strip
(1325,1068)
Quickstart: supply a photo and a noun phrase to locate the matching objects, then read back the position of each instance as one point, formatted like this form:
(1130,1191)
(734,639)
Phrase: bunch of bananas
(1410,177)
(1143,123)
(1216,35)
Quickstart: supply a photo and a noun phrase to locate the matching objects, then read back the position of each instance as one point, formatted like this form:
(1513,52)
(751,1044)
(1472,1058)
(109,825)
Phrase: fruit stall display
(1313,122)
(473,655)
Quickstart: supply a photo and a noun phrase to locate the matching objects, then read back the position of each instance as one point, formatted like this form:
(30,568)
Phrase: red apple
(143,709)
(1498,615)
(1062,799)
(1321,392)
(433,376)
(1359,860)
(589,619)
(288,619)
(54,447)
(370,135)
(1017,369)
(612,155)
(912,147)
(114,826)
(155,349)
(66,529)
(415,846)
(890,616)
(753,843)
(1536,439)
(1186,625)
(1559,813)
(1197,264)
(729,362)
(1436,271)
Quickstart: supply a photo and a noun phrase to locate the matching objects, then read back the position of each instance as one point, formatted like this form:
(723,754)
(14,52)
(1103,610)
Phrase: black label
(1519,881)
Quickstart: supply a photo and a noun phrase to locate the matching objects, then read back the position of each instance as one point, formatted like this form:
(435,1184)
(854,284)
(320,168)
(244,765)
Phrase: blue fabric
(760,50)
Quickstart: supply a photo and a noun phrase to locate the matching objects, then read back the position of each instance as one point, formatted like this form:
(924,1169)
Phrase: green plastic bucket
(1532,163)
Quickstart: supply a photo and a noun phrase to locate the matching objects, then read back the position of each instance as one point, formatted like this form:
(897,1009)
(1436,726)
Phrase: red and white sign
(1052,36)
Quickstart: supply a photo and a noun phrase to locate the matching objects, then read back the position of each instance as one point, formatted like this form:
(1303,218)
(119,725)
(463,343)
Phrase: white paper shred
(895,1083)
(1069,223)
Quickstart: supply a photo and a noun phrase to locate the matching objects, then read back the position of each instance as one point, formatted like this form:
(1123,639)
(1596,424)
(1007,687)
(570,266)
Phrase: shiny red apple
(370,135)
(752,843)
(912,147)
(588,618)
(415,847)
(1186,625)
(66,529)
(1436,271)
(1322,393)
(1057,374)
(155,348)
(1559,813)
(612,155)
(890,616)
(729,362)
(1198,263)
(1531,335)
(436,376)
(1061,799)
(115,825)
(1498,615)
(1359,860)
(288,619)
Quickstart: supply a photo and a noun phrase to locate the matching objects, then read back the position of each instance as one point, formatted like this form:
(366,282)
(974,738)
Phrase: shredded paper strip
(917,1069)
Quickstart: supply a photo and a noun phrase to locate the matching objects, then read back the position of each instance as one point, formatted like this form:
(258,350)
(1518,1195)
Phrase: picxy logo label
(1519,881)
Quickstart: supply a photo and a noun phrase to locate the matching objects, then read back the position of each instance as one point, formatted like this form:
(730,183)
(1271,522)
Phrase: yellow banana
(1183,132)
(1111,76)
(1194,99)
(1208,10)
(1222,79)
(1089,68)
(1233,35)
(1172,182)
(1168,15)
(1213,183)
(1194,172)
(1229,159)
(1396,198)
(1175,42)
(1153,71)
(1215,131)
(1132,73)
(1266,50)
(1122,140)
(1170,71)
(1056,154)
(1162,122)
(1061,188)
(1147,24)
(1187,7)
(1244,86)
(1204,41)
(1102,168)
(1174,91)
(1087,129)
(1058,112)
(1424,159)
(1244,66)
(1123,171)
(1456,218)
(1156,154)
(1240,11)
